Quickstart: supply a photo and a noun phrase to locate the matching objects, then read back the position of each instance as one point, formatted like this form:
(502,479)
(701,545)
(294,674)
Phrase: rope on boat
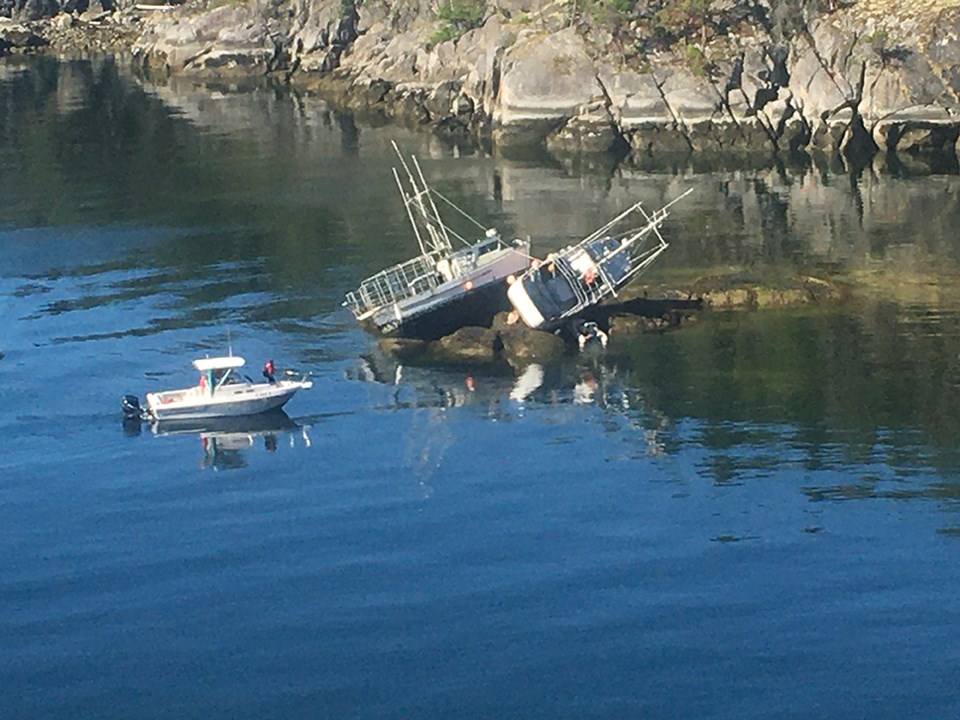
(464,213)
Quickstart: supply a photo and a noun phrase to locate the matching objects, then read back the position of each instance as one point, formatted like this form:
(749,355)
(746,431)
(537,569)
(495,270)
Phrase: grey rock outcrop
(844,82)
(230,39)
(547,80)
(849,78)
(18,37)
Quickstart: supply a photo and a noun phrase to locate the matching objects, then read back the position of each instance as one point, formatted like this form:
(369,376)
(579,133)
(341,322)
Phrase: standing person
(588,331)
(268,371)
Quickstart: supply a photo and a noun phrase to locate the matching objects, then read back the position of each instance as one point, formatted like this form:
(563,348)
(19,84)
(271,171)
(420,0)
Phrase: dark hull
(469,308)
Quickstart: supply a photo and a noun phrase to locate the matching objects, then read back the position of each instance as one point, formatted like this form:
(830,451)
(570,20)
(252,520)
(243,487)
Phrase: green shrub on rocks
(457,17)
(696,60)
(685,18)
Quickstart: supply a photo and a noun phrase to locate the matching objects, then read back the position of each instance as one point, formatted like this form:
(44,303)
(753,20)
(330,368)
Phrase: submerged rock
(510,341)
(621,325)
(522,345)
(403,348)
(737,291)
(467,345)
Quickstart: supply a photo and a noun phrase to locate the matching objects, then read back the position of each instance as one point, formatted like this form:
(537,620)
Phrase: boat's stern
(151,401)
(155,403)
(523,304)
(171,403)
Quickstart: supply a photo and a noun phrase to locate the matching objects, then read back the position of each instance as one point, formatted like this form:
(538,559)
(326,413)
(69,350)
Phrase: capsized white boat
(222,391)
(585,274)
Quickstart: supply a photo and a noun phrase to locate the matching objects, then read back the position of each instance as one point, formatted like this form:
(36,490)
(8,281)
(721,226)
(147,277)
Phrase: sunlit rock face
(17,37)
(546,79)
(849,78)
(226,40)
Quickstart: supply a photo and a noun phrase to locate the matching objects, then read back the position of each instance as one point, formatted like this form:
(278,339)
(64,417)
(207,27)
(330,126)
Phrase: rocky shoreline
(769,78)
(517,98)
(639,310)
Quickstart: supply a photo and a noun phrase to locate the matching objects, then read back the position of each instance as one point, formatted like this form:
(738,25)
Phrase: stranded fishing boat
(582,275)
(443,288)
(222,391)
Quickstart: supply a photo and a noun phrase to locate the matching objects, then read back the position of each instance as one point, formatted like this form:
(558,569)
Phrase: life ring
(589,276)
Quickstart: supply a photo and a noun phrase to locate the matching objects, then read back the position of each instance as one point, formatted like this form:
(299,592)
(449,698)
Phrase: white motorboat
(222,391)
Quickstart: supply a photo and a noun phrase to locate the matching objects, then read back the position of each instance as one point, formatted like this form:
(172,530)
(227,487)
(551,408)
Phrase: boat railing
(394,284)
(586,293)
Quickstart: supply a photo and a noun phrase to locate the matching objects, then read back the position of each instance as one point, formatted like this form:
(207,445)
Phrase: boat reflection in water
(225,441)
(564,388)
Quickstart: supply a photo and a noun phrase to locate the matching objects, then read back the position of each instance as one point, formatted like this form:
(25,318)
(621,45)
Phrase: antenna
(229,343)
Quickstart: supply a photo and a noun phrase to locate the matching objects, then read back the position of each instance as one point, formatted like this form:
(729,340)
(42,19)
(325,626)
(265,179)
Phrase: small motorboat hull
(192,405)
(222,392)
(270,421)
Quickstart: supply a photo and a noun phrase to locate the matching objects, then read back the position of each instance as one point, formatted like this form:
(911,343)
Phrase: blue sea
(755,516)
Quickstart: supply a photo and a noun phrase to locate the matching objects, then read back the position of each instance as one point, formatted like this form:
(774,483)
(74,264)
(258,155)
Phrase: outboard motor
(131,407)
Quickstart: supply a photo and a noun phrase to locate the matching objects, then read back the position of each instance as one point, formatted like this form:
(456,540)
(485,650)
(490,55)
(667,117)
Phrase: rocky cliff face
(769,77)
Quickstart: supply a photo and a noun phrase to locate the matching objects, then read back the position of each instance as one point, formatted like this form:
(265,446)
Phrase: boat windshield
(550,292)
(231,377)
(616,265)
(481,247)
(468,256)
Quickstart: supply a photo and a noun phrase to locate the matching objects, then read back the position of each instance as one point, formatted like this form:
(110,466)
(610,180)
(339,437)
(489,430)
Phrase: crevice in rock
(193,58)
(279,59)
(825,65)
(607,100)
(619,139)
(723,106)
(788,113)
(768,130)
(495,74)
(677,121)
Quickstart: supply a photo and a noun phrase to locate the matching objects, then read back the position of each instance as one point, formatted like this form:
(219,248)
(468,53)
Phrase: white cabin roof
(219,363)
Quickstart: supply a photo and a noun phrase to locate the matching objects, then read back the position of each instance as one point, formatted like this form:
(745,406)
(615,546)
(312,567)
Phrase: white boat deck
(222,392)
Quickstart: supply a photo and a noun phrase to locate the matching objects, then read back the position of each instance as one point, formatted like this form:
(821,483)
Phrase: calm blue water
(754,517)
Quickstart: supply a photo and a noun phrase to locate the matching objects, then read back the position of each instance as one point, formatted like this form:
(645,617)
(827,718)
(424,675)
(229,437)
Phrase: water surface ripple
(755,517)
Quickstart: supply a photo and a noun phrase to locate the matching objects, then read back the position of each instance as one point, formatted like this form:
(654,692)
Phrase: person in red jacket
(268,371)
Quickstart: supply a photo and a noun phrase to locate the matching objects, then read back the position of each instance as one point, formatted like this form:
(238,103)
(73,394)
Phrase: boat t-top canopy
(219,363)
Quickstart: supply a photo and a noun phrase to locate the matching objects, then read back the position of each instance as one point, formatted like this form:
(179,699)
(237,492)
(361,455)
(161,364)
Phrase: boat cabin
(565,283)
(219,371)
(586,274)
